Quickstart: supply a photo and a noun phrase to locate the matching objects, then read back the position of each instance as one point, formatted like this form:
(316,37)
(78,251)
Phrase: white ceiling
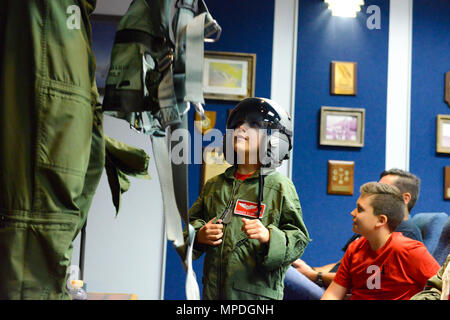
(112,7)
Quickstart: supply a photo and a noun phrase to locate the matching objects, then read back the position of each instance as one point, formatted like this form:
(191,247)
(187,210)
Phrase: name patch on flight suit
(248,209)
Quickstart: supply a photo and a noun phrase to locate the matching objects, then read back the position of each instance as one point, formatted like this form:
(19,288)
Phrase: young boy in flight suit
(249,223)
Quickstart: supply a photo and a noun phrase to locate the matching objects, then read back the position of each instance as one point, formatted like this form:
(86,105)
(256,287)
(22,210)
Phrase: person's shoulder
(215,181)
(408,225)
(279,182)
(410,230)
(357,245)
(405,244)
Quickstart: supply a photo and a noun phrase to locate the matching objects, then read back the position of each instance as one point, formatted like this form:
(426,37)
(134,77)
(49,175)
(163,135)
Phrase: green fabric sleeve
(288,240)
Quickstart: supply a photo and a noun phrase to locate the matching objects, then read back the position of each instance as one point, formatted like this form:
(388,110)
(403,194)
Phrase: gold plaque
(340,177)
(343,78)
(207,124)
(213,164)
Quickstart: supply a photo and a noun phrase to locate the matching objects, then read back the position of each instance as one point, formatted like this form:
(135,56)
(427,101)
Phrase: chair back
(443,246)
(430,225)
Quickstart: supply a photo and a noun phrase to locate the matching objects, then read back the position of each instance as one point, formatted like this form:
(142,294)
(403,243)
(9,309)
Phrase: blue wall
(430,62)
(247,26)
(321,39)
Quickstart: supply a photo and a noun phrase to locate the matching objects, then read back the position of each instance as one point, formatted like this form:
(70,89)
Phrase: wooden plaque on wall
(447,88)
(340,177)
(446,183)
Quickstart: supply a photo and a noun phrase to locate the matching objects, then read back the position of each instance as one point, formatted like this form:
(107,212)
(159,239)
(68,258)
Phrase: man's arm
(312,273)
(326,268)
(334,292)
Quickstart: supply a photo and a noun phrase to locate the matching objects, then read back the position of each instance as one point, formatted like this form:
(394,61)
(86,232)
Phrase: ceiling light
(344,8)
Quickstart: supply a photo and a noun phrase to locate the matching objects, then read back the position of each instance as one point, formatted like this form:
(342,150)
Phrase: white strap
(163,165)
(195,35)
(172,216)
(192,289)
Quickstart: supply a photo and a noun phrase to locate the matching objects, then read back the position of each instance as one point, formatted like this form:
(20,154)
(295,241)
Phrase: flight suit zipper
(226,218)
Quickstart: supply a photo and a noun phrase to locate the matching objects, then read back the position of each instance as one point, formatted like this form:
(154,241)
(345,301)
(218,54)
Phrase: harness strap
(194,59)
(163,164)
(172,217)
(168,100)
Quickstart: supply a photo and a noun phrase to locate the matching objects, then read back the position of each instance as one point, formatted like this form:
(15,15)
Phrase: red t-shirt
(241,177)
(396,271)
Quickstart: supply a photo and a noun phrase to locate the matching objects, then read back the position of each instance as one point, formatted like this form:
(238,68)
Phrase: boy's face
(246,140)
(364,220)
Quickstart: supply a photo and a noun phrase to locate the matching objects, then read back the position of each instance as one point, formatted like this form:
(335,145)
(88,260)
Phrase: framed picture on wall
(103,32)
(447,183)
(341,126)
(229,75)
(443,133)
(343,79)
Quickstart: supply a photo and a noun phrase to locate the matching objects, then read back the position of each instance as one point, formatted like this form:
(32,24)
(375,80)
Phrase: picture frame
(341,126)
(340,177)
(447,88)
(229,75)
(213,164)
(343,78)
(104,29)
(443,133)
(447,183)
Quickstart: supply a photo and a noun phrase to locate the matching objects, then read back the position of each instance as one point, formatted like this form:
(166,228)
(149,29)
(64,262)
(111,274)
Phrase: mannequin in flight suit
(52,149)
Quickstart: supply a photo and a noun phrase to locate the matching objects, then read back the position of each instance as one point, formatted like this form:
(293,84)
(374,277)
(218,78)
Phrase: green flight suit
(242,268)
(52,150)
(433,288)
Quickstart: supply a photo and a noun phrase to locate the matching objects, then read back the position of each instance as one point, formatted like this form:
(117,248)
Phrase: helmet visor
(258,118)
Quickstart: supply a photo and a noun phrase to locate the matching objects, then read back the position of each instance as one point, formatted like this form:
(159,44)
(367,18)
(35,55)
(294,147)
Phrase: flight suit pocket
(64,135)
(64,130)
(39,249)
(255,292)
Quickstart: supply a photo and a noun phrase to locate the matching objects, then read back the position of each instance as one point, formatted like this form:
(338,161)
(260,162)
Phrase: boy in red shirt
(382,264)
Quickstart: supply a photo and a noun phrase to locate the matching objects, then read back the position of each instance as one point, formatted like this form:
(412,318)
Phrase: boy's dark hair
(406,182)
(387,200)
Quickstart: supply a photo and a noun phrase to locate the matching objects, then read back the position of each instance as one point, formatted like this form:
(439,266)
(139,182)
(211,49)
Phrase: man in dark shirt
(409,185)
(303,282)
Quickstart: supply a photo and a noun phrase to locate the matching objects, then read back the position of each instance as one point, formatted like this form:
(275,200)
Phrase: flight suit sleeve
(433,288)
(289,238)
(122,160)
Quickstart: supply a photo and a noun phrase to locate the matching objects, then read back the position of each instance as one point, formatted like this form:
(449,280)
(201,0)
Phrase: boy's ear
(382,220)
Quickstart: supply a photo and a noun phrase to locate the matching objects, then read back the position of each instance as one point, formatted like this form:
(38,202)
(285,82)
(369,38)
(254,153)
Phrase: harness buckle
(165,61)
